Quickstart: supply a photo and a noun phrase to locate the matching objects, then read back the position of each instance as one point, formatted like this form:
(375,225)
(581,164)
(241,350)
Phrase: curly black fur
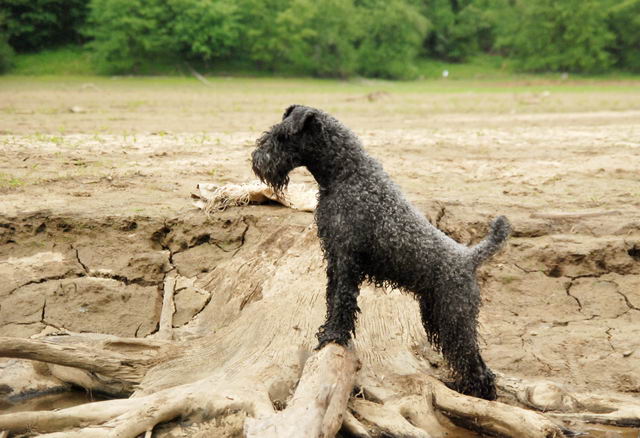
(369,231)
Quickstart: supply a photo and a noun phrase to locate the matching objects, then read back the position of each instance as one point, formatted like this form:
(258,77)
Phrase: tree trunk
(251,352)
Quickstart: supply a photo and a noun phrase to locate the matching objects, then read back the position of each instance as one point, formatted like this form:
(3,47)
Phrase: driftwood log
(250,352)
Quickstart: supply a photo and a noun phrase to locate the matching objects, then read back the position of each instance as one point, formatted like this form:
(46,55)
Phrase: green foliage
(325,38)
(452,35)
(260,38)
(36,24)
(624,21)
(6,56)
(316,37)
(335,38)
(392,34)
(495,18)
(6,52)
(127,33)
(130,33)
(67,61)
(205,29)
(548,35)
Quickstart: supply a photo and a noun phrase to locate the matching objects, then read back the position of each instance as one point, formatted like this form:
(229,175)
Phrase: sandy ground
(91,173)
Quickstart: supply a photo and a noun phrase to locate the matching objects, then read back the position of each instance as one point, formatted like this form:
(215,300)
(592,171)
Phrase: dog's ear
(301,119)
(288,111)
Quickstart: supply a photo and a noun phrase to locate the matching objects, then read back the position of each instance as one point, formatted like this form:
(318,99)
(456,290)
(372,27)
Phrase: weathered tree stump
(251,351)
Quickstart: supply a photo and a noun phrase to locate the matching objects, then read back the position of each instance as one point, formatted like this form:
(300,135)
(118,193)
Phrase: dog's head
(285,146)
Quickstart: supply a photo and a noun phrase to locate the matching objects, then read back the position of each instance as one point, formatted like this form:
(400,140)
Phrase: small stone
(77,109)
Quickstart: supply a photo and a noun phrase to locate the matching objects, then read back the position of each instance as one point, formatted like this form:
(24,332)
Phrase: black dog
(368,231)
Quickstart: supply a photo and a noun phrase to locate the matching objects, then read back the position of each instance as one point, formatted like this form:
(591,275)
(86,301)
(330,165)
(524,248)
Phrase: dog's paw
(484,387)
(327,336)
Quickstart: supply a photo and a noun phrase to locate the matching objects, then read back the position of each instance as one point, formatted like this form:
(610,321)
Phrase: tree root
(165,330)
(77,416)
(319,402)
(557,402)
(492,417)
(151,410)
(321,405)
(238,360)
(127,418)
(111,364)
(317,406)
(436,410)
(107,363)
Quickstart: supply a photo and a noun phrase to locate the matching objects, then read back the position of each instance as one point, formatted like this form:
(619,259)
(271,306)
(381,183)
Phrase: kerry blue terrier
(369,231)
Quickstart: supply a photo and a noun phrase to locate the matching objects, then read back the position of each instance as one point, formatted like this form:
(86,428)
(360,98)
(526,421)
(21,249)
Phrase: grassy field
(76,61)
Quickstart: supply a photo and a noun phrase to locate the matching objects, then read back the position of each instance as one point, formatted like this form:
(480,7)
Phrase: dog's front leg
(342,304)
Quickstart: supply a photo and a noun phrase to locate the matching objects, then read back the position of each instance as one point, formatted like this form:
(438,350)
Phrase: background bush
(205,30)
(335,38)
(390,37)
(6,55)
(36,24)
(6,52)
(550,35)
(127,33)
(456,26)
(315,37)
(624,22)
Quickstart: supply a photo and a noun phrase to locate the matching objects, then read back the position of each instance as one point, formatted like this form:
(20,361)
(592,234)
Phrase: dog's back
(359,208)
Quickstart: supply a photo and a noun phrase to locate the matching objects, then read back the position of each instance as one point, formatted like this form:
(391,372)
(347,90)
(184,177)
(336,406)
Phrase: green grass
(483,73)
(498,68)
(7,180)
(478,67)
(63,61)
(76,61)
(277,85)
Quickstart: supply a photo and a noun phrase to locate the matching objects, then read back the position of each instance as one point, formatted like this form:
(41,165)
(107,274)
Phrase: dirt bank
(568,315)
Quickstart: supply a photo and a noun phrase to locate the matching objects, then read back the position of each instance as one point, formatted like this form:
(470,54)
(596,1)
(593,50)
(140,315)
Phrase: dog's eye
(281,138)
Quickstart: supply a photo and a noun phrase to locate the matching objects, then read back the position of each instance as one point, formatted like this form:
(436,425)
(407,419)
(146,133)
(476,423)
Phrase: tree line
(330,38)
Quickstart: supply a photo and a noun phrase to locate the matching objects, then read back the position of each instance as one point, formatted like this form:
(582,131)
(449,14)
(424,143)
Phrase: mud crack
(86,269)
(242,236)
(124,280)
(529,271)
(440,216)
(89,273)
(45,279)
(209,296)
(568,291)
(627,301)
(608,332)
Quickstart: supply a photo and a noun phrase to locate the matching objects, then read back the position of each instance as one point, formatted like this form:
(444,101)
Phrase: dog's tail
(499,230)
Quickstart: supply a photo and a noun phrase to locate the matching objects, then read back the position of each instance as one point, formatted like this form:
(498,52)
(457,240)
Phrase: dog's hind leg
(450,320)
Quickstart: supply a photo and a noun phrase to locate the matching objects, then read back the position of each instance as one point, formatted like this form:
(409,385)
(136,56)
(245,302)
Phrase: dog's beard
(275,180)
(272,168)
